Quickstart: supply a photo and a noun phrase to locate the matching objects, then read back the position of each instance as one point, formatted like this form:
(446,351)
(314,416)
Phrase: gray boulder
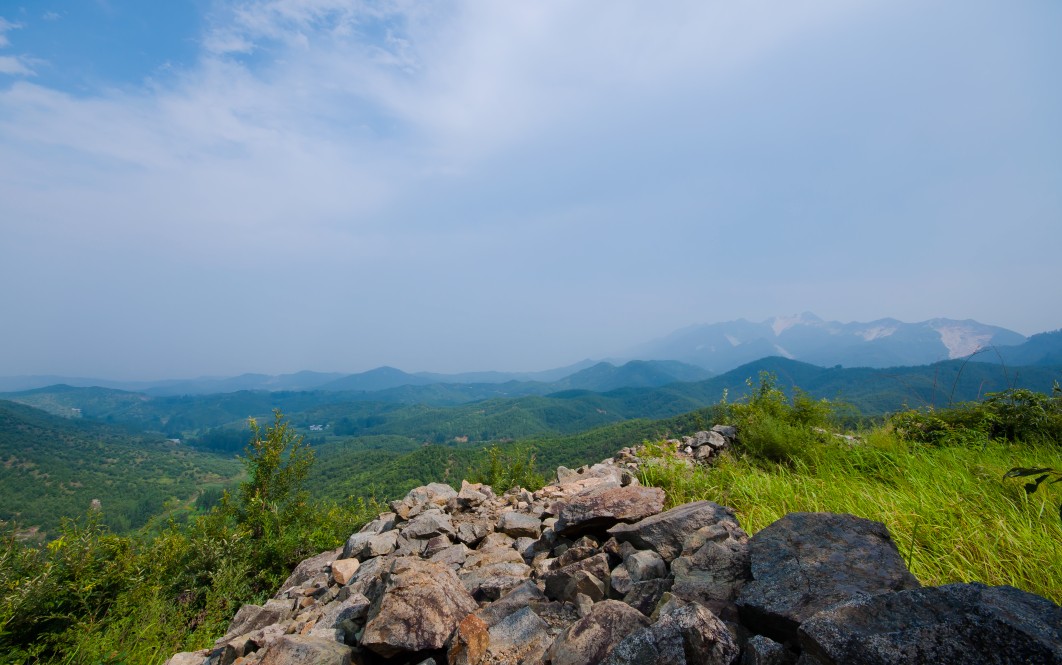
(520,525)
(590,639)
(807,562)
(957,624)
(420,607)
(599,508)
(713,568)
(689,635)
(521,637)
(299,650)
(666,532)
(762,650)
(557,581)
(362,546)
(429,524)
(310,568)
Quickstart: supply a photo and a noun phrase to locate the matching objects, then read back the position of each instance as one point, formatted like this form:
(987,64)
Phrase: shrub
(505,470)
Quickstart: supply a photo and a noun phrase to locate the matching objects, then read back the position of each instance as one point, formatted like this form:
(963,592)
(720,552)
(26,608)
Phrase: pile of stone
(591,569)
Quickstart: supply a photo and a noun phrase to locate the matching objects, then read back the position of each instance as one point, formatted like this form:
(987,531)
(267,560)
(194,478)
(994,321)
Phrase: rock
(189,658)
(644,596)
(385,522)
(344,569)
(556,581)
(309,568)
(521,637)
(583,583)
(666,532)
(489,572)
(300,650)
(520,525)
(620,581)
(252,617)
(517,598)
(713,568)
(645,565)
(354,608)
(690,635)
(599,508)
(470,495)
(590,639)
(453,556)
(470,643)
(435,545)
(955,624)
(429,524)
(762,650)
(420,607)
(362,546)
(807,562)
(471,532)
(728,431)
(437,494)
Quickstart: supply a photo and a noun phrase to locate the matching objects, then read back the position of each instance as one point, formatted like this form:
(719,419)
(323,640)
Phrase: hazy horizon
(212,187)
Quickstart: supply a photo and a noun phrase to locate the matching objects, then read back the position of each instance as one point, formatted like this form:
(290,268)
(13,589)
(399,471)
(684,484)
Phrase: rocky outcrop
(957,623)
(807,562)
(591,569)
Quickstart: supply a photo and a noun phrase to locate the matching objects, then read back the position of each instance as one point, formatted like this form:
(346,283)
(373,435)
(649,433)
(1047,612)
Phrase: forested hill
(51,467)
(481,412)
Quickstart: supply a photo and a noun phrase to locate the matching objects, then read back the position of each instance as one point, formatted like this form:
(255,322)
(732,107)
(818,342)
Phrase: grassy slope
(951,513)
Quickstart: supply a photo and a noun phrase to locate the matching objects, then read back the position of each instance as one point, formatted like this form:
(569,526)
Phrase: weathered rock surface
(807,562)
(591,638)
(598,508)
(421,605)
(713,568)
(957,624)
(477,578)
(690,635)
(300,650)
(666,533)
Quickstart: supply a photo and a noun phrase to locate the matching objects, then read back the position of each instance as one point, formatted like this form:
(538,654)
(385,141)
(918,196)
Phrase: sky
(212,187)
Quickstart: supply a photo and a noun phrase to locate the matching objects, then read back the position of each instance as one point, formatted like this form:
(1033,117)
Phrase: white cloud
(15,66)
(526,157)
(5,27)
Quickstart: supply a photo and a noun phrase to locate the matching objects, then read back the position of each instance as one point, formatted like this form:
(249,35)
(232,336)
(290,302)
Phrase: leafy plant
(504,470)
(1042,474)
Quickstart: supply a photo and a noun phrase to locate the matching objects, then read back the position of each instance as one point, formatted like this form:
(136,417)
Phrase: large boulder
(300,650)
(521,637)
(590,639)
(666,532)
(308,569)
(421,605)
(557,582)
(688,635)
(599,508)
(713,568)
(807,562)
(957,624)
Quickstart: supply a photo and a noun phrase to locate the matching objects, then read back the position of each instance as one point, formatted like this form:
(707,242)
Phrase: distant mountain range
(687,355)
(720,347)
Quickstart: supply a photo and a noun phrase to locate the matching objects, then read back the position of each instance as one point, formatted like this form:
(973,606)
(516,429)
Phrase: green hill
(51,467)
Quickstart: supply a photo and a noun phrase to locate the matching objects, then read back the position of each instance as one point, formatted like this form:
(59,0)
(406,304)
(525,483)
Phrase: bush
(505,470)
(1012,415)
(777,429)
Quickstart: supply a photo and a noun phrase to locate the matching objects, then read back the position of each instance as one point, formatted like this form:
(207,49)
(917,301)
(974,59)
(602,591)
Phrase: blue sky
(213,187)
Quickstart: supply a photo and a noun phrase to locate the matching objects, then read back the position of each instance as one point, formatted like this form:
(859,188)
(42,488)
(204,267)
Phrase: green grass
(951,513)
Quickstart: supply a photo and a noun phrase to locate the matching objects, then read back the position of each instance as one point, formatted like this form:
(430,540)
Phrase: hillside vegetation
(52,467)
(936,478)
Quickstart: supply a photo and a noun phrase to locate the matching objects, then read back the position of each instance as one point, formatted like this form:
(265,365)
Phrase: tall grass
(949,509)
